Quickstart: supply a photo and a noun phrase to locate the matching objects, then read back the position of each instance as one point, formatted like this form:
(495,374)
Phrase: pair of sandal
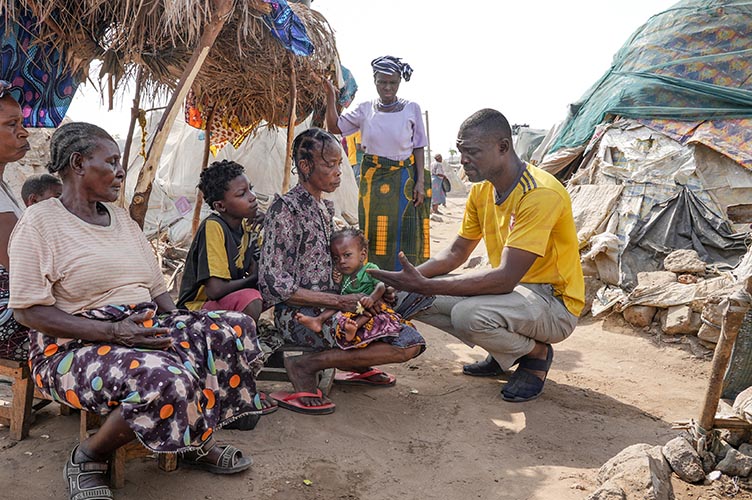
(230,461)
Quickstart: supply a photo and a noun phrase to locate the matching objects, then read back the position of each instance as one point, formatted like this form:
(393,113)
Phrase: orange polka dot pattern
(173,399)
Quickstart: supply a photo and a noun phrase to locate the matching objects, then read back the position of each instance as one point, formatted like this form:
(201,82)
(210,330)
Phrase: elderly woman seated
(107,337)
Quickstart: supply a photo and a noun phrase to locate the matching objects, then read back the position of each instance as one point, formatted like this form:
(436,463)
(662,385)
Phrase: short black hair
(38,185)
(74,137)
(350,232)
(488,121)
(215,179)
(306,143)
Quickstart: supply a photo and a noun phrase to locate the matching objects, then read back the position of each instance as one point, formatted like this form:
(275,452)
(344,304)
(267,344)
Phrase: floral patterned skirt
(385,324)
(293,333)
(173,399)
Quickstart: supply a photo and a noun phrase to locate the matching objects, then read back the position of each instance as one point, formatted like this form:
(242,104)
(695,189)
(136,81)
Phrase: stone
(743,405)
(639,316)
(641,471)
(695,322)
(709,334)
(684,261)
(592,285)
(684,460)
(708,461)
(649,279)
(735,464)
(687,279)
(746,449)
(608,491)
(589,269)
(735,437)
(678,321)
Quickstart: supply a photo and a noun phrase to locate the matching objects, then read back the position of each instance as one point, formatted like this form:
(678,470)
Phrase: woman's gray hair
(76,137)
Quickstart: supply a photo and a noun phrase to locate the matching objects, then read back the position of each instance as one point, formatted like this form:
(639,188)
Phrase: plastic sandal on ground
(73,472)
(524,385)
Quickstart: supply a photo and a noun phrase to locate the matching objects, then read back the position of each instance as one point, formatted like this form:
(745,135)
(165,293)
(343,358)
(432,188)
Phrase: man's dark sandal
(523,385)
(489,367)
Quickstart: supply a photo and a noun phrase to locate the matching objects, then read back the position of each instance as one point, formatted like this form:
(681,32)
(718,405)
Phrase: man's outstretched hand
(409,279)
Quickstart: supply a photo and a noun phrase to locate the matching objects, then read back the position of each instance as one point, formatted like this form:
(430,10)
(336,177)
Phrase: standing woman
(393,185)
(14,144)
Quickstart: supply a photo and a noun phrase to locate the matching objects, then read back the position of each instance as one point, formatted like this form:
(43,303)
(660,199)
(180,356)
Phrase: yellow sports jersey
(217,251)
(536,217)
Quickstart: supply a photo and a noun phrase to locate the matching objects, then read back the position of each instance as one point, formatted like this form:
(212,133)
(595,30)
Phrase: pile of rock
(644,471)
(683,299)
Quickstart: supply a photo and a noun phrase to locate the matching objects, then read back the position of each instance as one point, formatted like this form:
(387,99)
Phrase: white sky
(528,59)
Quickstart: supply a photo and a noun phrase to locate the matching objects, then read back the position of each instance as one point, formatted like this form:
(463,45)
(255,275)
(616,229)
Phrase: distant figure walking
(438,195)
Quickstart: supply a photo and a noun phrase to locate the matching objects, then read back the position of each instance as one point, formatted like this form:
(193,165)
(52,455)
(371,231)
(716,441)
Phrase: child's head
(40,187)
(227,191)
(349,249)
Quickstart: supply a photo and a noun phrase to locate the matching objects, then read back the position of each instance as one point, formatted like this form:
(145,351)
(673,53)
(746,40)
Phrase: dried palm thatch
(251,79)
(247,73)
(127,33)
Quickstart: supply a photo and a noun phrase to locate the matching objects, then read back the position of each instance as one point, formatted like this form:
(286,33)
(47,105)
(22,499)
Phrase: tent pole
(733,315)
(290,126)
(140,202)
(204,164)
(129,139)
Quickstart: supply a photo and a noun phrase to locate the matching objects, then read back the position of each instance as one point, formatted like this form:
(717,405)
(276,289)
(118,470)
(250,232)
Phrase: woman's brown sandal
(73,473)
(230,461)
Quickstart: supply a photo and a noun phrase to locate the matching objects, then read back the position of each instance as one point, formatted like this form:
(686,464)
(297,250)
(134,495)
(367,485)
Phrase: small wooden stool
(90,422)
(17,415)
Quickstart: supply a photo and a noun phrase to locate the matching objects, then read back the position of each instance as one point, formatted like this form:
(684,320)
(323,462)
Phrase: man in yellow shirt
(534,293)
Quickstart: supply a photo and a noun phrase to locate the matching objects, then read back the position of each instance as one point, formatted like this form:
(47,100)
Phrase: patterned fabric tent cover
(42,88)
(687,71)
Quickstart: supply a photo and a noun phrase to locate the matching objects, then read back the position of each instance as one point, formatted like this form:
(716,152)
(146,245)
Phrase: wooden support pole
(140,203)
(733,315)
(290,125)
(204,164)
(129,139)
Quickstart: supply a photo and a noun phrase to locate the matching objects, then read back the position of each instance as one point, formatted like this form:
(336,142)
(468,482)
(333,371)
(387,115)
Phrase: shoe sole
(488,374)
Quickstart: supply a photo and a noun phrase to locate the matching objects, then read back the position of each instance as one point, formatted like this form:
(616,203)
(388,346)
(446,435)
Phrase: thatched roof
(253,83)
(247,71)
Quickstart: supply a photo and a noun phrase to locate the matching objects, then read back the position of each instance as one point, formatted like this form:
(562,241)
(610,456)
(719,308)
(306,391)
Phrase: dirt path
(436,435)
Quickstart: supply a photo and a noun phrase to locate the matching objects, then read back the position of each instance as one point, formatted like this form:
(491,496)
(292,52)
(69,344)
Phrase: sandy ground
(436,435)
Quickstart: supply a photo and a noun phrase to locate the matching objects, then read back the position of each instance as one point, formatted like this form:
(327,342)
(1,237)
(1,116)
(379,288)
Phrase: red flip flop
(291,401)
(364,378)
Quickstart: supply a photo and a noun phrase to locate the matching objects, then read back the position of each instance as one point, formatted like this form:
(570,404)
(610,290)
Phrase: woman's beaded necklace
(397,105)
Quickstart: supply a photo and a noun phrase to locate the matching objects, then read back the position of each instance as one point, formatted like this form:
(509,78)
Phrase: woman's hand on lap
(130,332)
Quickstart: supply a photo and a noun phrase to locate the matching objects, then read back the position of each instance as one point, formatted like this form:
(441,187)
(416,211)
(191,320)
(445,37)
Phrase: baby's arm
(369,300)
